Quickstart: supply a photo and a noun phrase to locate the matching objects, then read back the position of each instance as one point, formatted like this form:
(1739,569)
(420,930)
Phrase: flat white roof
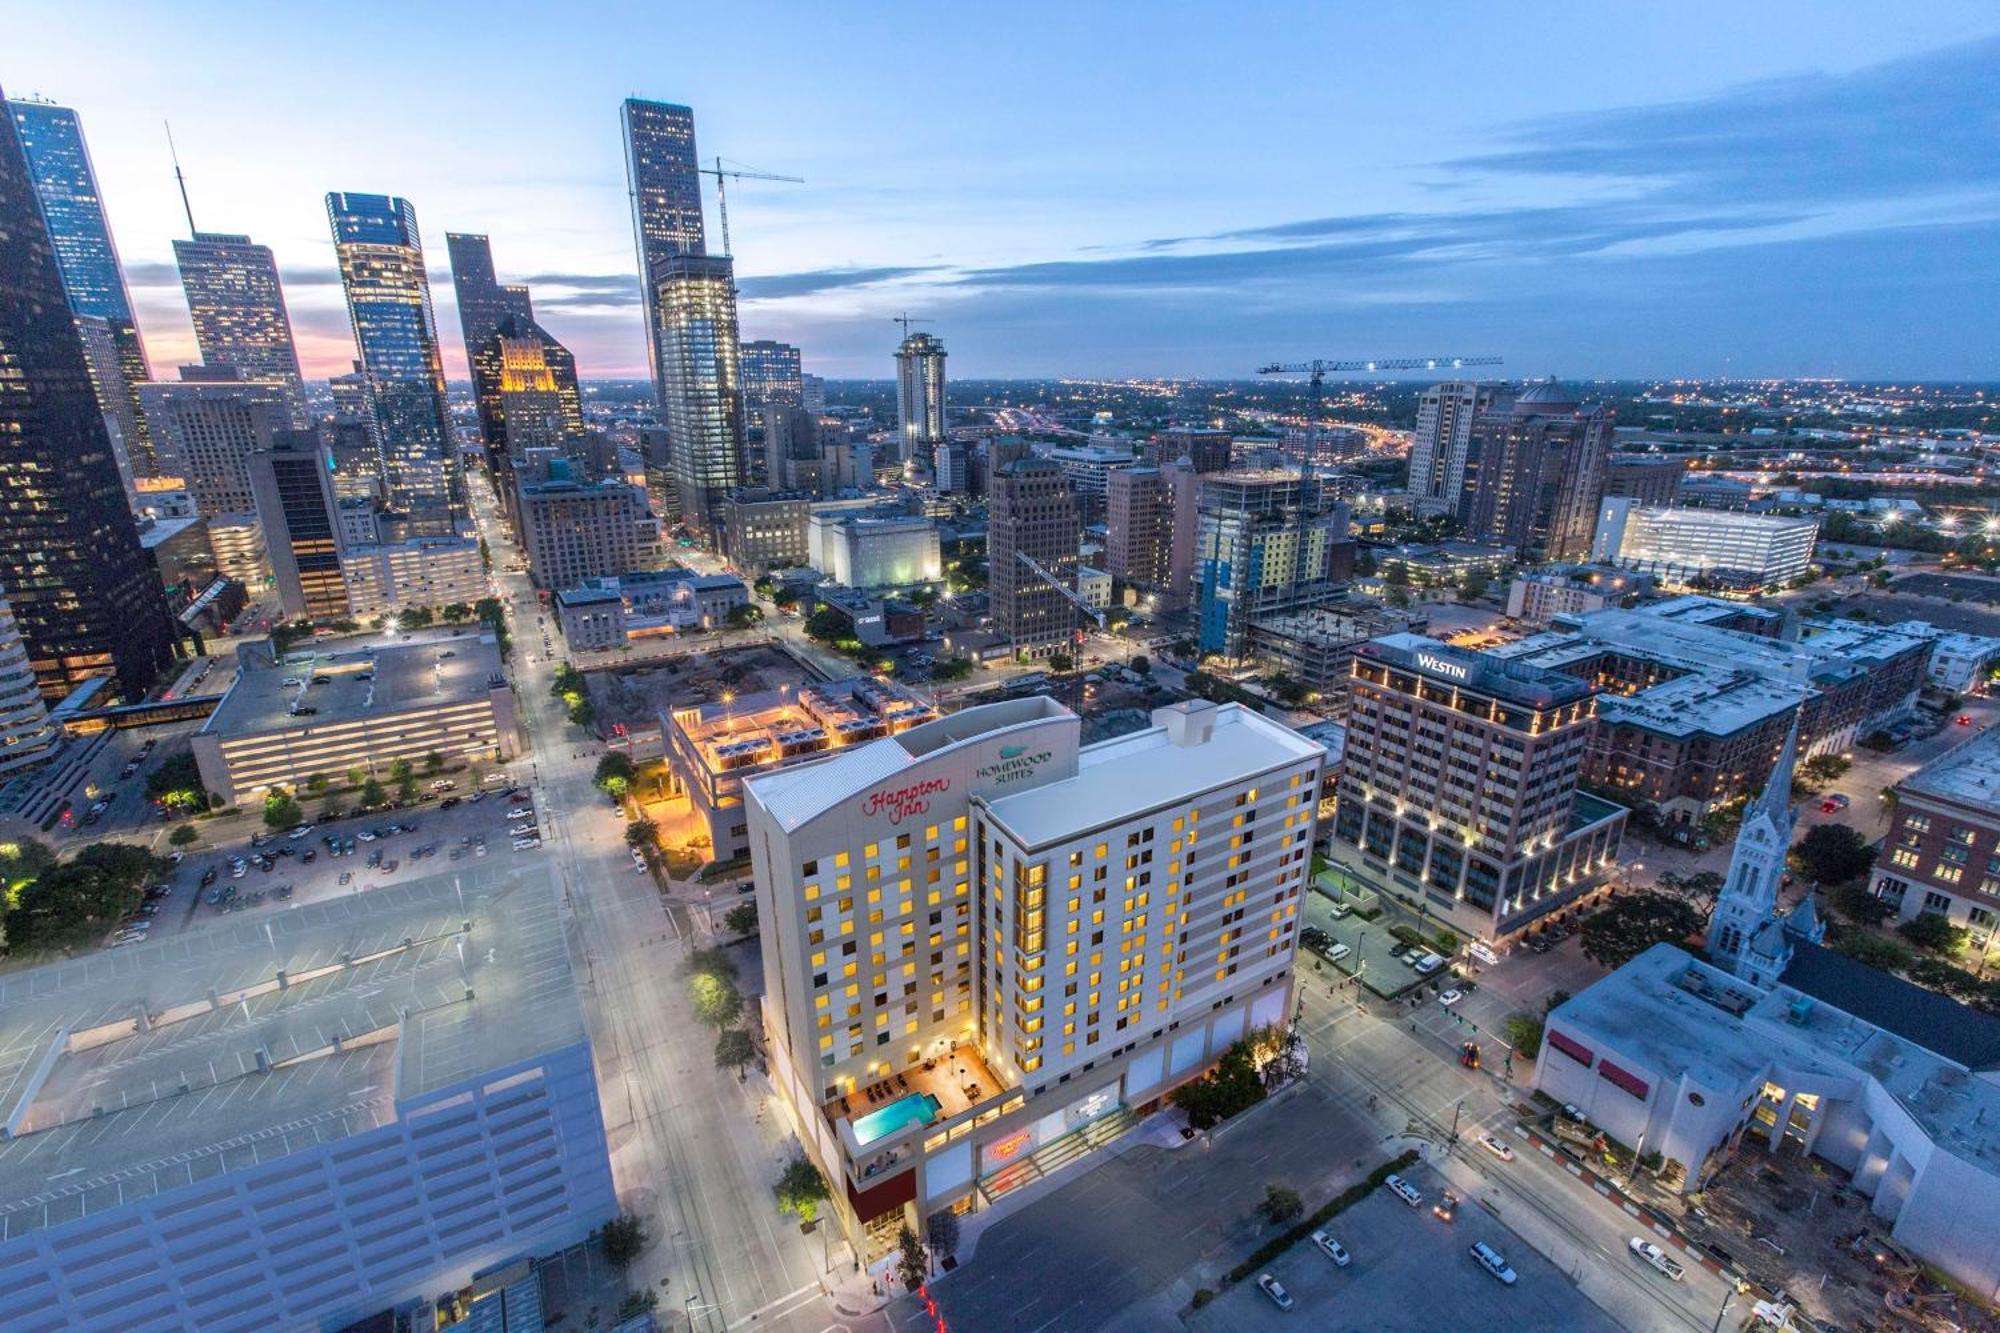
(1969,773)
(1147,769)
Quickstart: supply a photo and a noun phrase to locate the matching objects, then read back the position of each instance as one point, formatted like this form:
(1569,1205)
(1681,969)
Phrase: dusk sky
(1096,189)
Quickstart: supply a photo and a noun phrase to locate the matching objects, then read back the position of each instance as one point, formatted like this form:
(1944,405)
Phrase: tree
(454,612)
(1474,585)
(1232,1086)
(67,903)
(1524,1034)
(406,790)
(741,919)
(1821,771)
(942,1229)
(1634,923)
(734,1050)
(1061,663)
(1933,931)
(801,1189)
(744,616)
(1701,888)
(621,1239)
(1833,854)
(176,784)
(280,810)
(1281,1204)
(317,784)
(433,761)
(356,776)
(913,1265)
(826,625)
(1142,665)
(614,774)
(1397,575)
(642,833)
(1853,901)
(717,1002)
(415,617)
(402,770)
(372,794)
(183,835)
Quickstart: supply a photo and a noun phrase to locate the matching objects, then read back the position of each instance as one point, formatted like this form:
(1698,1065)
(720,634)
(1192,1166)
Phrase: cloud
(775,286)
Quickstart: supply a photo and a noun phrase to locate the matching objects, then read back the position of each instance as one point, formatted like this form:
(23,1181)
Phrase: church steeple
(1776,799)
(1744,934)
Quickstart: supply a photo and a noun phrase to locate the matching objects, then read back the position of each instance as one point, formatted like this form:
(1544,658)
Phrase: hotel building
(988,949)
(1458,786)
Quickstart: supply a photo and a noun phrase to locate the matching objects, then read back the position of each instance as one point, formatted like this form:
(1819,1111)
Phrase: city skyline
(1735,217)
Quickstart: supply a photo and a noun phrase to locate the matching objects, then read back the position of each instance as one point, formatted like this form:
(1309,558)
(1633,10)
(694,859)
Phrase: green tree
(1061,663)
(717,1002)
(402,769)
(614,774)
(744,616)
(67,903)
(1397,575)
(406,790)
(622,1239)
(642,833)
(1281,1204)
(317,784)
(1833,854)
(912,1264)
(1634,923)
(372,794)
(942,1232)
(455,612)
(356,776)
(734,1050)
(281,811)
(1853,901)
(176,784)
(433,762)
(415,617)
(741,919)
(826,625)
(1142,665)
(801,1189)
(1524,1034)
(1934,932)
(1232,1086)
(184,835)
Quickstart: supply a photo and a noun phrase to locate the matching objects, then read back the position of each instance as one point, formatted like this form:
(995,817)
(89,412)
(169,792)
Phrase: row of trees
(56,905)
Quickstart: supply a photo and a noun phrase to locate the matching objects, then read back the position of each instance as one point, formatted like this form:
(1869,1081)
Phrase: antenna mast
(181,181)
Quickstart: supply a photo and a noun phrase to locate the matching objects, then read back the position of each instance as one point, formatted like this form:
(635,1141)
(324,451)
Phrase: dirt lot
(637,695)
(1791,1222)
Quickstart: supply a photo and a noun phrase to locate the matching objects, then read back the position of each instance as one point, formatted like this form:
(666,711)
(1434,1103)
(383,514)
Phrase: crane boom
(738,172)
(1325,367)
(1075,598)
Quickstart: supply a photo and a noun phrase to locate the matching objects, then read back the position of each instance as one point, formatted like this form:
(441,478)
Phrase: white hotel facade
(987,949)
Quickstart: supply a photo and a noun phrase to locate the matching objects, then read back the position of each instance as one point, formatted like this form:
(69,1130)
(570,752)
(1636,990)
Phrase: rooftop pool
(917,1108)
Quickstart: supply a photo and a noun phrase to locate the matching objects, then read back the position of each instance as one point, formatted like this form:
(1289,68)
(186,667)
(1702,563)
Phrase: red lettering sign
(902,802)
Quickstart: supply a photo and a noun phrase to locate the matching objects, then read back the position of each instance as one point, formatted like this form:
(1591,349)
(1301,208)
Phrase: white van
(1404,1190)
(1493,1262)
(1428,964)
(1337,952)
(1480,951)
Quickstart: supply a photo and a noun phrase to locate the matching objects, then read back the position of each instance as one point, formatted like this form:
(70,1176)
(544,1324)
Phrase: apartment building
(1265,543)
(1458,786)
(1943,850)
(1139,528)
(763,529)
(987,947)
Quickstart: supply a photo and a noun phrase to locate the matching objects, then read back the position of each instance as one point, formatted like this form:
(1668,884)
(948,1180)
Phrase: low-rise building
(1959,663)
(712,748)
(765,529)
(1538,596)
(1704,547)
(1316,647)
(875,622)
(1094,587)
(977,645)
(606,613)
(335,705)
(1443,564)
(858,551)
(423,571)
(1942,853)
(302,1122)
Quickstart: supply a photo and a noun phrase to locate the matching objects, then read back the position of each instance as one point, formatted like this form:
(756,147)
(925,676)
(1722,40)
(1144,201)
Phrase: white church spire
(1744,934)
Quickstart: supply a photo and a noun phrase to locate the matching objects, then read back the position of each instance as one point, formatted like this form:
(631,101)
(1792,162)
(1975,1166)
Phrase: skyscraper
(1534,473)
(694,312)
(1265,543)
(1139,527)
(295,506)
(238,308)
(58,160)
(86,598)
(665,183)
(1033,513)
(206,427)
(528,400)
(771,375)
(389,301)
(483,306)
(920,397)
(1443,436)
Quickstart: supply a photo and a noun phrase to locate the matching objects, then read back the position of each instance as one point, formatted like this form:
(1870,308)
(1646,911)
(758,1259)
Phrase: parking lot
(1409,1271)
(426,840)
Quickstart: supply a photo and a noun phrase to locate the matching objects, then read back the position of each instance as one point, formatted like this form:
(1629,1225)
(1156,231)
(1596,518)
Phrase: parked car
(1450,998)
(1331,1248)
(1493,1262)
(1496,1147)
(1275,1289)
(1656,1258)
(1405,1191)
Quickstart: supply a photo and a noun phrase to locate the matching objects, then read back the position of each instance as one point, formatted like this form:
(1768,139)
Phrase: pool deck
(958,1079)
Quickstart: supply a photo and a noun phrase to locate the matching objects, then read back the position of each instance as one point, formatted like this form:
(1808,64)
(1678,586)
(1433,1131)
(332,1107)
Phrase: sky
(1108,189)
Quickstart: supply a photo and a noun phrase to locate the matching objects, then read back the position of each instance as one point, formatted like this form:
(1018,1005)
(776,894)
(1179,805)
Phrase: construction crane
(738,172)
(1075,598)
(1319,368)
(905,320)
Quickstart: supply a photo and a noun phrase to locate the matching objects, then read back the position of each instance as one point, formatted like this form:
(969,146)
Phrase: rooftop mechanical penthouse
(987,950)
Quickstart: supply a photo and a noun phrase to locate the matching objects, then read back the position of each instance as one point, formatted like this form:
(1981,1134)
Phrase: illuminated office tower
(389,301)
(920,397)
(238,309)
(1033,514)
(26,737)
(206,426)
(665,183)
(86,597)
(120,410)
(812,394)
(693,307)
(295,506)
(59,167)
(483,305)
(771,376)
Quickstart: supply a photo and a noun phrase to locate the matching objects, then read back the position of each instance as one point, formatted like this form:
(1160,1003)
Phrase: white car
(526,844)
(1450,998)
(1428,964)
(1497,1148)
(1275,1289)
(1493,1262)
(1331,1248)
(1656,1257)
(1404,1190)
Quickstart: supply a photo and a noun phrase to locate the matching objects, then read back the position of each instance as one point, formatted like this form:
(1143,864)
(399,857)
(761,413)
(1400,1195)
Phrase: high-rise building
(575,530)
(483,307)
(295,506)
(771,375)
(529,402)
(1443,436)
(1265,543)
(1183,483)
(93,281)
(920,398)
(1458,786)
(812,394)
(1534,473)
(951,468)
(206,426)
(1652,482)
(1139,528)
(1207,449)
(26,737)
(1033,514)
(995,854)
(85,595)
(389,301)
(124,420)
(693,307)
(664,178)
(238,308)
(791,440)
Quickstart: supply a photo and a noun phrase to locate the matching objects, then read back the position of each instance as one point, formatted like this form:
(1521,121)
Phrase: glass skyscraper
(694,306)
(88,600)
(484,306)
(395,330)
(51,138)
(664,178)
(238,308)
(920,398)
(771,376)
